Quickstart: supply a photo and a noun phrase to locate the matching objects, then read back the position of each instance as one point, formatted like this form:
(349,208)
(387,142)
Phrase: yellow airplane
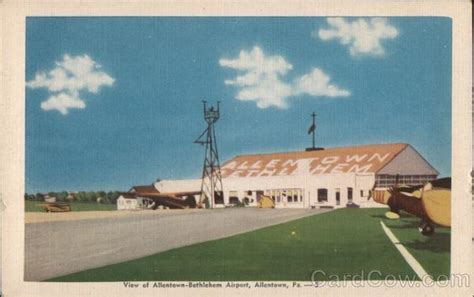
(55,207)
(430,202)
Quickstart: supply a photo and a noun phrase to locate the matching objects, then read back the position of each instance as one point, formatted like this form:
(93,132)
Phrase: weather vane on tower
(312,131)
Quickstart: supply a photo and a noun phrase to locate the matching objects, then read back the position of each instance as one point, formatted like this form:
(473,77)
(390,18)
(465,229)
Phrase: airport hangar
(330,177)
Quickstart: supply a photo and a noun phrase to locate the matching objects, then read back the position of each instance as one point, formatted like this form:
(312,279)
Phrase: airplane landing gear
(426,228)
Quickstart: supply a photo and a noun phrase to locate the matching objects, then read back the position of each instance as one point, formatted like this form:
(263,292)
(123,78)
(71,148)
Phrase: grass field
(342,242)
(31,206)
(433,252)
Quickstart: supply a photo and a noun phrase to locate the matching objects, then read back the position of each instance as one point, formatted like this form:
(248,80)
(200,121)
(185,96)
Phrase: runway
(55,247)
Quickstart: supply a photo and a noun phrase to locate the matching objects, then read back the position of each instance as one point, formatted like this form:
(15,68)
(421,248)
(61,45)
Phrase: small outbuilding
(136,198)
(127,201)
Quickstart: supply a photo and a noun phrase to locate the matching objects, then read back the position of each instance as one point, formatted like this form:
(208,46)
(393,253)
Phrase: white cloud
(261,79)
(71,76)
(62,102)
(361,36)
(316,83)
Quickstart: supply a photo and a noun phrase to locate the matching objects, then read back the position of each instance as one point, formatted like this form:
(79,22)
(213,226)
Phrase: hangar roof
(354,159)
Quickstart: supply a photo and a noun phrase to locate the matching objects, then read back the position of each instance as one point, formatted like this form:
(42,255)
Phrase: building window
(233,200)
(349,195)
(218,197)
(233,197)
(338,196)
(322,195)
(385,181)
(291,195)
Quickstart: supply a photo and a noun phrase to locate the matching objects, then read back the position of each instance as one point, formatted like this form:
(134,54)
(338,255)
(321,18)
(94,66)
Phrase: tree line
(83,196)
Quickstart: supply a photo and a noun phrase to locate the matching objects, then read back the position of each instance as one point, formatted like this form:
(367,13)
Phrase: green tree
(91,196)
(115,196)
(81,196)
(102,195)
(108,195)
(39,197)
(61,196)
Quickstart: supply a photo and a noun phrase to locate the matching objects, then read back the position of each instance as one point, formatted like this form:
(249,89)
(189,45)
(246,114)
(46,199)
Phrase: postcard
(231,148)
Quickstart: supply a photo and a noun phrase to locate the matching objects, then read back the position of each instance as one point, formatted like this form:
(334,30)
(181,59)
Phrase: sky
(113,102)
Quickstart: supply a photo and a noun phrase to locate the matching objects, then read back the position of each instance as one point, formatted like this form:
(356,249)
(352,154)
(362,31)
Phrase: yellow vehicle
(430,202)
(266,202)
(55,207)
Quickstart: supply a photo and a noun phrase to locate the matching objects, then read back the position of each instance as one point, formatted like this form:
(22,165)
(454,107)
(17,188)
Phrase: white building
(127,201)
(304,179)
(136,198)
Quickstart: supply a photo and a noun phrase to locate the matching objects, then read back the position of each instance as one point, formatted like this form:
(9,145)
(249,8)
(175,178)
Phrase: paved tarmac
(54,248)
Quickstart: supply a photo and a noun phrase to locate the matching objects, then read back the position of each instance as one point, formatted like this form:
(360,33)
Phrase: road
(56,248)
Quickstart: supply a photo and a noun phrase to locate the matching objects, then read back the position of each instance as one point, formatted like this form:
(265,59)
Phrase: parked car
(352,205)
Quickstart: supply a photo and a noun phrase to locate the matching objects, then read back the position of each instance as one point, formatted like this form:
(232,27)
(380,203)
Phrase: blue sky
(115,102)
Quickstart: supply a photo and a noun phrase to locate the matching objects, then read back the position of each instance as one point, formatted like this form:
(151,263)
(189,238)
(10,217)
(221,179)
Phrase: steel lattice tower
(211,187)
